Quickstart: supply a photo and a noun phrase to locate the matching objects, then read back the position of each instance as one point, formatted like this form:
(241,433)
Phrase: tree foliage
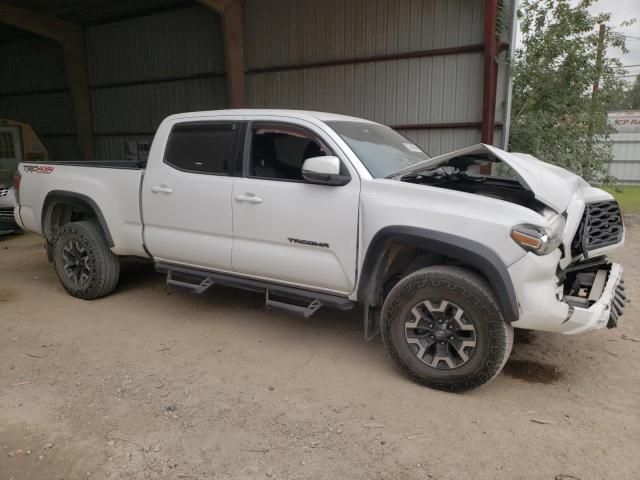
(554,115)
(628,98)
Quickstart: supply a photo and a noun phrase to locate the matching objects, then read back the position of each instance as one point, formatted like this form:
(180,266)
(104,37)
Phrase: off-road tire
(103,265)
(494,336)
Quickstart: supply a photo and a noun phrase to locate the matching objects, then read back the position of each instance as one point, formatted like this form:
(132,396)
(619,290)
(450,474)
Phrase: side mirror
(324,170)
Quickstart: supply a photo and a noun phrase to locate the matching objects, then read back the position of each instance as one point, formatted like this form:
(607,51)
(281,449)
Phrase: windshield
(381,149)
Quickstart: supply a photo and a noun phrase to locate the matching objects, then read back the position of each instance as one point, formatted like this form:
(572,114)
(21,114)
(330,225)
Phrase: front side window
(381,149)
(278,151)
(202,147)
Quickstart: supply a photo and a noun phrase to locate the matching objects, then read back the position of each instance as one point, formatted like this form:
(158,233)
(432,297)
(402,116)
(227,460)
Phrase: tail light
(16,185)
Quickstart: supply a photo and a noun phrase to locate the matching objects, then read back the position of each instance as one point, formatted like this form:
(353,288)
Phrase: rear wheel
(85,266)
(443,328)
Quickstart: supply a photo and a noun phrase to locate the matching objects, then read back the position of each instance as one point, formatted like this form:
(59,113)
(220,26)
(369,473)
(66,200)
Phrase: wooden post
(234,53)
(599,53)
(596,84)
(232,19)
(71,37)
(75,58)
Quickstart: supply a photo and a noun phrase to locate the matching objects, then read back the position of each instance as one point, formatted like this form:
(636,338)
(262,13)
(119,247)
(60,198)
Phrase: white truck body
(317,237)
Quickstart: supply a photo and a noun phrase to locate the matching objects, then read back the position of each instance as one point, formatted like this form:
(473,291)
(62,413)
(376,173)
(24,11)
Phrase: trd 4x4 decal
(46,169)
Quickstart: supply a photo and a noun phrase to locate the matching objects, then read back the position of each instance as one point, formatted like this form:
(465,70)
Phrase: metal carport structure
(93,74)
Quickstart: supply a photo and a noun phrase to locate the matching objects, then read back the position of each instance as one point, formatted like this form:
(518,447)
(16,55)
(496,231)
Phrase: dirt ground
(154,383)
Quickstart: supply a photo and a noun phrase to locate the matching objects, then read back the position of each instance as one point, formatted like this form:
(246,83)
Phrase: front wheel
(443,328)
(85,266)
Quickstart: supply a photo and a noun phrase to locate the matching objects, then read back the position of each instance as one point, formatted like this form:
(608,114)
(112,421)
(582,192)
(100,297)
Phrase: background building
(95,77)
(625,146)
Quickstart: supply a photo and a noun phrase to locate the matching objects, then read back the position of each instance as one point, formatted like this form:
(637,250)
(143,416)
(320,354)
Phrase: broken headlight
(539,240)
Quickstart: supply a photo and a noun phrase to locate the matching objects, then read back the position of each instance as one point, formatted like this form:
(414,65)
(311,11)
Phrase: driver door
(287,229)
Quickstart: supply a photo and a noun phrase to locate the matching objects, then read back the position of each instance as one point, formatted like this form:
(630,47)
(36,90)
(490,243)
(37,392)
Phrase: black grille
(6,212)
(601,225)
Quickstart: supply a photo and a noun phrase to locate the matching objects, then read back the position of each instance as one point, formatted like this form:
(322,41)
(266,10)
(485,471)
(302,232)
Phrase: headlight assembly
(539,240)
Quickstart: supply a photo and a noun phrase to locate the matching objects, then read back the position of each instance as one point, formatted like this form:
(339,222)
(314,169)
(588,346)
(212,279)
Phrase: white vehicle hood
(551,185)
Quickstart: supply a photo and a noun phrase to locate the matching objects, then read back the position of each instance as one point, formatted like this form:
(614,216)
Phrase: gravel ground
(154,383)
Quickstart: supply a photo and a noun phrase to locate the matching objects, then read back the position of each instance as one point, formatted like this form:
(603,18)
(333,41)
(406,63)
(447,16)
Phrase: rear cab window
(203,147)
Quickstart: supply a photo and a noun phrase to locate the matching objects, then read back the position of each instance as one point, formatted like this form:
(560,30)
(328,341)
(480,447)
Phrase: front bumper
(542,301)
(606,311)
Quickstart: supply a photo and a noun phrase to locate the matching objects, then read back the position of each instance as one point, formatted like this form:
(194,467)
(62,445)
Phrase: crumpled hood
(554,186)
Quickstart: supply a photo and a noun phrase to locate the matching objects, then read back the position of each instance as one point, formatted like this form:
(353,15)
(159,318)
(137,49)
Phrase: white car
(446,255)
(7,205)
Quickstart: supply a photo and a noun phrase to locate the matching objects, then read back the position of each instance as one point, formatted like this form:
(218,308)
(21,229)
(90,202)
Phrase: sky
(622,10)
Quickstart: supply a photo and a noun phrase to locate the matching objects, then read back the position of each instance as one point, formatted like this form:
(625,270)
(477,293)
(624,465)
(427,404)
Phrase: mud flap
(371,322)
(48,248)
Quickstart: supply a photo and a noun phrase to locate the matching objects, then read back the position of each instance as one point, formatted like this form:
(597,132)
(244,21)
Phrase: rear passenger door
(186,195)
(287,229)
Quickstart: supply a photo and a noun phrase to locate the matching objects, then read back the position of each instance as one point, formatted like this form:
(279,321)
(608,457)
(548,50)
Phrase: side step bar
(196,287)
(306,312)
(278,297)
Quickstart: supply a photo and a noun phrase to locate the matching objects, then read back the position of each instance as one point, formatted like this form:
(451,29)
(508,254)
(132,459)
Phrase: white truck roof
(302,114)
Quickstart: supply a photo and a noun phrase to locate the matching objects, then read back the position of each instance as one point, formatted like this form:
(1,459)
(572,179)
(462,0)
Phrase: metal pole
(490,72)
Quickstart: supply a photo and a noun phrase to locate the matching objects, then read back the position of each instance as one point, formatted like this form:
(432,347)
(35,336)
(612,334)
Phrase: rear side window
(202,147)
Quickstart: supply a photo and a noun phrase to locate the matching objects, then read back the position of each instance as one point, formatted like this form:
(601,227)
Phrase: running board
(309,301)
(204,284)
(306,312)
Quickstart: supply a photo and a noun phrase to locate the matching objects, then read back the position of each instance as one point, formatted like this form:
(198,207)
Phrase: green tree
(554,115)
(634,95)
(628,97)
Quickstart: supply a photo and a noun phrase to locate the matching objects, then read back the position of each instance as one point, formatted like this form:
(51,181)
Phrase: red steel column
(490,80)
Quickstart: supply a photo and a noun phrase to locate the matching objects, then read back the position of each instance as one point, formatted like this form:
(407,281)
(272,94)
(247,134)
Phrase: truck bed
(112,186)
(125,164)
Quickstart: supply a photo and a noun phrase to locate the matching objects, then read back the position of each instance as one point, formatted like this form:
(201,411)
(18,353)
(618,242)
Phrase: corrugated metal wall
(625,146)
(37,65)
(625,150)
(140,71)
(430,90)
(289,32)
(421,90)
(31,65)
(440,141)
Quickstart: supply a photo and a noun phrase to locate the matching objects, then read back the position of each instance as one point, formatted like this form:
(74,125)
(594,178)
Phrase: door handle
(162,189)
(248,198)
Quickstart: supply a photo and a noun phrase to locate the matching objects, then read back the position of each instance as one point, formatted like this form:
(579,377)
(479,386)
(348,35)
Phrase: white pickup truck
(446,255)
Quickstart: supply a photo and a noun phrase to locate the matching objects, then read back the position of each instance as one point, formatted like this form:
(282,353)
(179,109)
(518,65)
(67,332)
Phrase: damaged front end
(587,295)
(564,282)
(584,286)
(584,282)
(601,226)
(486,170)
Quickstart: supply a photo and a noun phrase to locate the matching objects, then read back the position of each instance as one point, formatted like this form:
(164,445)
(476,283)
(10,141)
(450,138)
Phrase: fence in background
(625,147)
